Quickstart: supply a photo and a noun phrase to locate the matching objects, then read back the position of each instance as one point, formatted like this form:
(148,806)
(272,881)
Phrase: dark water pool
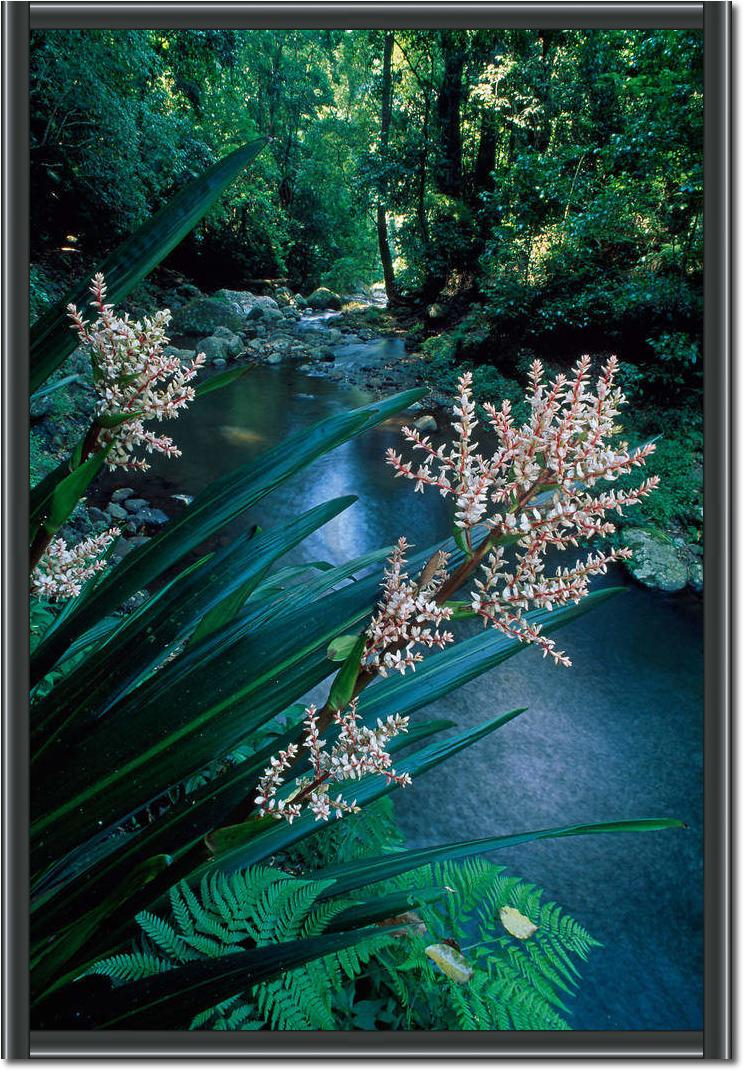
(619,735)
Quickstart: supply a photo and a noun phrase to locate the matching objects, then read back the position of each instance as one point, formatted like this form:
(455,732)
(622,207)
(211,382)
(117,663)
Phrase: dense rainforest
(516,191)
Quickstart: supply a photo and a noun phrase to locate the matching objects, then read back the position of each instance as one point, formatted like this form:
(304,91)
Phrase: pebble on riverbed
(425,423)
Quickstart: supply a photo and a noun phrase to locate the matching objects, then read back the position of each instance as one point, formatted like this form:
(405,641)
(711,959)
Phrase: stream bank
(354,341)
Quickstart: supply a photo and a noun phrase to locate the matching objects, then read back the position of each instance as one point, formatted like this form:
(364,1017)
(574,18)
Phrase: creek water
(617,736)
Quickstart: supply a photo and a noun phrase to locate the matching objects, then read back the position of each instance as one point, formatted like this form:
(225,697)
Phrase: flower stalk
(535,493)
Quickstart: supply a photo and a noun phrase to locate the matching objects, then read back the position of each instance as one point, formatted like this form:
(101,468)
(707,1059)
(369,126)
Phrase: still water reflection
(617,736)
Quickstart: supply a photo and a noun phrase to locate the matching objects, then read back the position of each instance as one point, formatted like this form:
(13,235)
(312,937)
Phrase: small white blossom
(358,751)
(63,569)
(131,373)
(401,621)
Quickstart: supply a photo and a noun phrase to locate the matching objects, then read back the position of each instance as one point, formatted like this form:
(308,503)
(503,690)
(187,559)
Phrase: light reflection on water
(617,736)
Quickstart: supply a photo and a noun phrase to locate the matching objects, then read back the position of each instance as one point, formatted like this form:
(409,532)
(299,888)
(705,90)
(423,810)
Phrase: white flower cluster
(63,569)
(535,491)
(401,622)
(132,374)
(358,751)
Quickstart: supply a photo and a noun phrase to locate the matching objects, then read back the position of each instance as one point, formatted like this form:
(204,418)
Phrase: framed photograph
(366,560)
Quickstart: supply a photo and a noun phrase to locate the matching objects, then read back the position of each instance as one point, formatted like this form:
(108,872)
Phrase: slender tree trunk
(385,252)
(485,161)
(421,198)
(449,179)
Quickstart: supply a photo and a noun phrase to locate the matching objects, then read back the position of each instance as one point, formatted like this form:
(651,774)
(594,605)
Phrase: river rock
(214,349)
(250,306)
(117,512)
(154,517)
(134,505)
(189,291)
(696,575)
(98,516)
(300,302)
(274,358)
(121,548)
(426,423)
(283,297)
(121,494)
(655,561)
(228,336)
(322,298)
(201,317)
(185,355)
(265,312)
(222,345)
(40,408)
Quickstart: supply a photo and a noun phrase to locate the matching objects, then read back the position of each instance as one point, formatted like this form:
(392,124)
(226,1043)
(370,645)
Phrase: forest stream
(619,735)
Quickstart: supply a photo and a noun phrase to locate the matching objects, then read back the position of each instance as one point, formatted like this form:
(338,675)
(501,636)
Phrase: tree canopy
(552,177)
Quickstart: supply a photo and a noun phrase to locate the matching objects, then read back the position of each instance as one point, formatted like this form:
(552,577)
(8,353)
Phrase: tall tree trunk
(485,161)
(385,252)
(421,198)
(449,178)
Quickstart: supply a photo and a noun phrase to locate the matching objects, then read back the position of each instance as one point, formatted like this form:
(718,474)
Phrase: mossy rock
(323,299)
(202,316)
(655,561)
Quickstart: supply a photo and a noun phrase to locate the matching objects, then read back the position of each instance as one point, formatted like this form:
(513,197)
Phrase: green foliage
(515,984)
(168,716)
(252,908)
(42,291)
(371,832)
(51,337)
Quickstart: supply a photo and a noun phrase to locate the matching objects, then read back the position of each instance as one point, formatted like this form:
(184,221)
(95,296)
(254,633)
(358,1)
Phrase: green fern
(516,984)
(251,908)
(384,982)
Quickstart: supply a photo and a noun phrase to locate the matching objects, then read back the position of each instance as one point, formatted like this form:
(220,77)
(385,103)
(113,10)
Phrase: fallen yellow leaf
(516,923)
(451,962)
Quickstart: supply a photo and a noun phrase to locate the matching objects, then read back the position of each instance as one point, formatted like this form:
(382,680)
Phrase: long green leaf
(165,731)
(352,875)
(82,891)
(212,510)
(52,388)
(216,382)
(60,495)
(169,1000)
(145,639)
(384,908)
(51,337)
(244,848)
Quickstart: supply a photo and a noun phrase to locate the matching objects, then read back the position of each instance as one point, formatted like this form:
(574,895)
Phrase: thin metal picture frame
(714,1041)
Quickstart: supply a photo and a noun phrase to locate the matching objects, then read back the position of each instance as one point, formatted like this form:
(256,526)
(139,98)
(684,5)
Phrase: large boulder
(249,306)
(201,317)
(426,423)
(655,561)
(323,299)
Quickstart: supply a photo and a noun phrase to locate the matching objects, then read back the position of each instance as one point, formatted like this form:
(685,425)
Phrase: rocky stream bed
(321,335)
